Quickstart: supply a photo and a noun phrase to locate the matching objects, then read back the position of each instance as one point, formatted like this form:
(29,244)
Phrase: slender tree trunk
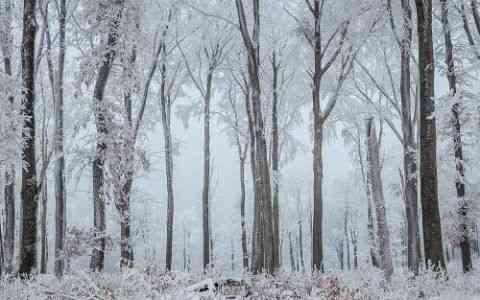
(317,238)
(28,241)
(275,165)
(354,238)
(206,172)
(6,41)
(166,107)
(242,156)
(409,145)
(347,240)
(44,195)
(376,186)
(300,244)
(432,230)
(60,193)
(293,267)
(98,255)
(242,213)
(457,141)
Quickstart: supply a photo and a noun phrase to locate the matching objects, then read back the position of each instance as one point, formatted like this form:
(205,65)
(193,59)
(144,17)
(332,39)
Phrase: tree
(262,244)
(29,196)
(374,181)
(98,255)
(6,41)
(432,229)
(408,135)
(60,192)
(457,139)
(213,50)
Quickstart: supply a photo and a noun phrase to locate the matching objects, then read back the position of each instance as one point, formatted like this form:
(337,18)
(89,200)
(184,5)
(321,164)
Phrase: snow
(354,285)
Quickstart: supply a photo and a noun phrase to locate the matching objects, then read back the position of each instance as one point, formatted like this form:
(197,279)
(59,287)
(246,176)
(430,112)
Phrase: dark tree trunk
(44,196)
(293,266)
(28,242)
(457,141)
(263,221)
(275,165)
(98,255)
(317,239)
(60,193)
(166,107)
(432,230)
(206,172)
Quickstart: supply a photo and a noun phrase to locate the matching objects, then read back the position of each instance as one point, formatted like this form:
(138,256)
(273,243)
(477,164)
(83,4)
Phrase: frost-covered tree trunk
(124,195)
(98,255)
(374,180)
(432,230)
(409,145)
(29,196)
(275,165)
(6,41)
(60,193)
(457,140)
(263,221)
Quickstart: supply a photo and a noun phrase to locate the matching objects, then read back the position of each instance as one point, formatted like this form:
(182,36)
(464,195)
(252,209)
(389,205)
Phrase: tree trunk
(275,165)
(60,193)
(293,267)
(375,184)
(242,213)
(263,222)
(457,142)
(166,107)
(206,172)
(44,195)
(98,255)
(28,241)
(347,240)
(6,41)
(300,244)
(409,145)
(432,230)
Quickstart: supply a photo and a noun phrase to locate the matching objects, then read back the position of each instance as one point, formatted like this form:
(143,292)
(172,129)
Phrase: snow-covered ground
(134,284)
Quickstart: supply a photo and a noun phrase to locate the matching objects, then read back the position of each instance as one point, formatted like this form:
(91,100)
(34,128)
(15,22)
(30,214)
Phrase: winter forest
(239,149)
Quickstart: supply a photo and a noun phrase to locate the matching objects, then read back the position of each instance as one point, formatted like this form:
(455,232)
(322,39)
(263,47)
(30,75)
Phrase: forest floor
(137,285)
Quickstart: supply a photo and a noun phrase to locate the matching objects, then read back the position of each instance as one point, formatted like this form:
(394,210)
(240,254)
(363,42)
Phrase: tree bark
(28,241)
(432,230)
(263,222)
(374,180)
(6,41)
(409,145)
(206,171)
(98,255)
(293,266)
(275,165)
(44,195)
(317,239)
(60,193)
(457,140)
